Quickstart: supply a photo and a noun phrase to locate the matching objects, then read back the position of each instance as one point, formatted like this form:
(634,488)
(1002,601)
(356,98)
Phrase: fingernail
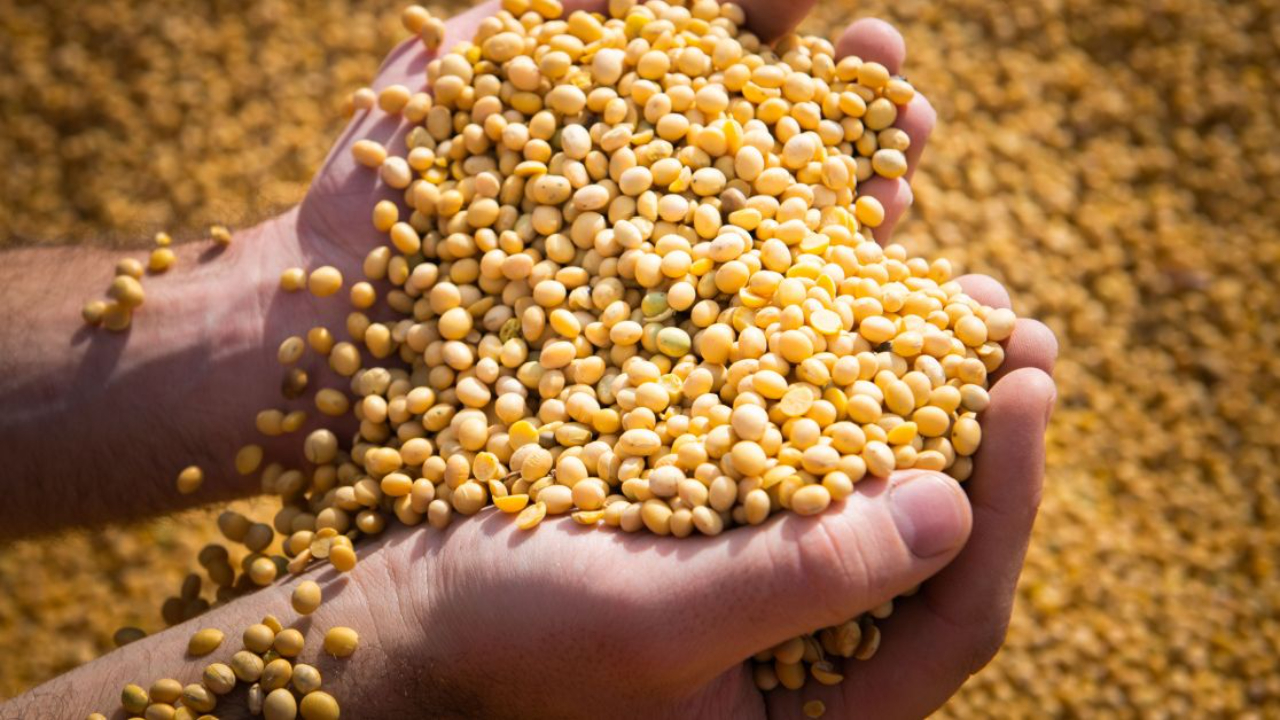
(1048,410)
(927,514)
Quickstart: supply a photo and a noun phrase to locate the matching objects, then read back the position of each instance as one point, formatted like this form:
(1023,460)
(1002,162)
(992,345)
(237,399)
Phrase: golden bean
(248,459)
(324,281)
(280,705)
(134,699)
(204,641)
(869,211)
(161,259)
(219,678)
(306,679)
(258,638)
(369,153)
(341,642)
(247,666)
(343,558)
(190,479)
(276,674)
(288,643)
(199,698)
(319,705)
(126,291)
(810,500)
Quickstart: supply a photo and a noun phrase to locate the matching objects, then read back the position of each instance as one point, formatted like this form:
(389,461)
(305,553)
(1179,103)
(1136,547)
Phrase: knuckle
(835,569)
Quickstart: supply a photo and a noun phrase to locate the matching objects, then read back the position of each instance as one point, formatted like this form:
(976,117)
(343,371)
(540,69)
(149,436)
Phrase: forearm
(382,678)
(95,425)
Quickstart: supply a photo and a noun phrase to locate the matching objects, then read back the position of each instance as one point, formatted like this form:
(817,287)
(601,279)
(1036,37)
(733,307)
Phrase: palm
(535,589)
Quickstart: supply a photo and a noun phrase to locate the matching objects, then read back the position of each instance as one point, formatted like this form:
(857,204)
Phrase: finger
(770,19)
(1033,345)
(916,120)
(407,65)
(895,196)
(985,289)
(340,177)
(1005,492)
(600,6)
(873,40)
(877,41)
(795,573)
(934,641)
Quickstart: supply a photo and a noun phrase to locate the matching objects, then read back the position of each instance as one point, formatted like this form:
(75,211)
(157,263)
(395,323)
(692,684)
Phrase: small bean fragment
(531,516)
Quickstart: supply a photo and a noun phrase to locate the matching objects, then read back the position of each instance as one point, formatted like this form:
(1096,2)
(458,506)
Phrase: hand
(573,622)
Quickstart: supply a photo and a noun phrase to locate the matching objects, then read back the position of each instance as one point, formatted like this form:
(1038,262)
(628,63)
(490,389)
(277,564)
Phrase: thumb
(756,587)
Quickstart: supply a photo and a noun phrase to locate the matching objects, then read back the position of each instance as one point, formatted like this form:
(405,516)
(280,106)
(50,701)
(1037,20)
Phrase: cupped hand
(566,621)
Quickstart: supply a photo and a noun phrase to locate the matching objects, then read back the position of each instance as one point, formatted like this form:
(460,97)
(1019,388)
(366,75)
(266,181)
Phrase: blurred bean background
(1113,163)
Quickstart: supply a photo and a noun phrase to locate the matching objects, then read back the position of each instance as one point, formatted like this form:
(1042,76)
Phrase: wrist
(208,333)
(410,664)
(261,315)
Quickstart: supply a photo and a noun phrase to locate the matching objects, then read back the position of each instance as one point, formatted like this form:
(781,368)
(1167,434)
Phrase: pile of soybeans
(1151,584)
(637,283)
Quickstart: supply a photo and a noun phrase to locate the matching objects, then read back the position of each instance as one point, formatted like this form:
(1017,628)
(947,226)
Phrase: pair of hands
(565,621)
